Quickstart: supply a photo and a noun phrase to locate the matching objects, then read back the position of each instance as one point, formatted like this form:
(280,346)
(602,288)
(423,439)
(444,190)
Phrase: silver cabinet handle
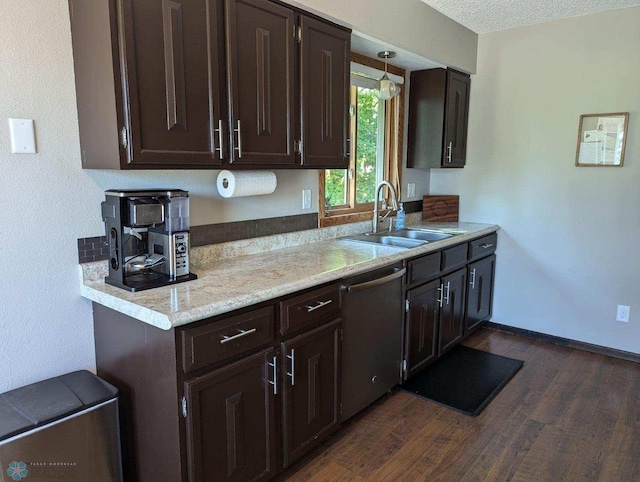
(220,139)
(440,300)
(398,273)
(473,279)
(227,339)
(275,376)
(446,298)
(319,305)
(292,373)
(449,148)
(239,148)
(486,245)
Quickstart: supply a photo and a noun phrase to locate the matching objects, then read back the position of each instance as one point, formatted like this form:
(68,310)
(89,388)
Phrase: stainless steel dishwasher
(372,317)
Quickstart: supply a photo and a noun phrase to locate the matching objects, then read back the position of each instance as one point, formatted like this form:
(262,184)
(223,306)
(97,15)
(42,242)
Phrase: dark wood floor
(566,415)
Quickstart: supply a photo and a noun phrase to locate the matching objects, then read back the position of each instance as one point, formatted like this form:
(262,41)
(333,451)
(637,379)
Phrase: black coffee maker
(148,237)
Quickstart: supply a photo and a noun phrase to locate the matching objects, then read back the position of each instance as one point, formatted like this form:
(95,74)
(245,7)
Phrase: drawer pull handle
(440,299)
(447,296)
(319,305)
(226,339)
(292,373)
(275,376)
(473,279)
(486,245)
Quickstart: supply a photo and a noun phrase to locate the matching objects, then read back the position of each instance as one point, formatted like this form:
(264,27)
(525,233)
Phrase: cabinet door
(324,74)
(452,312)
(260,72)
(456,119)
(480,293)
(422,326)
(171,89)
(230,422)
(311,368)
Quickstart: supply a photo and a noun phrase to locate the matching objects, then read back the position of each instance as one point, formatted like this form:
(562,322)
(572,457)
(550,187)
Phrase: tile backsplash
(96,249)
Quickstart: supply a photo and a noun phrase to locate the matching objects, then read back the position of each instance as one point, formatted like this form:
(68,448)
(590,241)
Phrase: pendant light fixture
(387,88)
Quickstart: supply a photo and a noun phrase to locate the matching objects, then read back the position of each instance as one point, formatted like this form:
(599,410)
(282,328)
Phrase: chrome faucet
(394,204)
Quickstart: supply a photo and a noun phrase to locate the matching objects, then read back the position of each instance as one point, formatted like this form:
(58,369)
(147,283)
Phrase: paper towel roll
(246,183)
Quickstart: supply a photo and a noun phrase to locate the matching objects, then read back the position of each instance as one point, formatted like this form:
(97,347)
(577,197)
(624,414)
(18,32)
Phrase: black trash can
(63,429)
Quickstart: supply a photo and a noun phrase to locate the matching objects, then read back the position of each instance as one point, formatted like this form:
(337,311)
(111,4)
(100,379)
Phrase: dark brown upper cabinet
(260,73)
(438,118)
(148,82)
(170,84)
(324,89)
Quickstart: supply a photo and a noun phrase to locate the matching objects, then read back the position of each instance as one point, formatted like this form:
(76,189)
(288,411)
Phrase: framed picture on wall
(602,139)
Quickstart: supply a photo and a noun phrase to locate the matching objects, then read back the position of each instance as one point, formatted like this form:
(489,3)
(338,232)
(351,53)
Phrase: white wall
(569,249)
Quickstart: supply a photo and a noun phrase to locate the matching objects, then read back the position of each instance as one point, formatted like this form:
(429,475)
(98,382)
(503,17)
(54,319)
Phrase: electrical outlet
(623,313)
(411,189)
(306,199)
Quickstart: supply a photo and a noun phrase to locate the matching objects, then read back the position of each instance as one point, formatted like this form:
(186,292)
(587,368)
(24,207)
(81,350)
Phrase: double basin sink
(403,238)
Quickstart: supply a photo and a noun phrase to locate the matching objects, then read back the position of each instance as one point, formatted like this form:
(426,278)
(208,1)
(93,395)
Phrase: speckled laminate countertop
(225,285)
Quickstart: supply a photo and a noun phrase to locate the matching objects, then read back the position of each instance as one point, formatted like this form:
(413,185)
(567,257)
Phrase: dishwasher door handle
(398,273)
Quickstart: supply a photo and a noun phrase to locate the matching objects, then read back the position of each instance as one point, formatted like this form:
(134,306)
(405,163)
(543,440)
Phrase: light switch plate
(306,199)
(23,138)
(411,189)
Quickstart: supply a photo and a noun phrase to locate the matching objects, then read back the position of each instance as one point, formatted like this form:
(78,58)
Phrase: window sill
(339,219)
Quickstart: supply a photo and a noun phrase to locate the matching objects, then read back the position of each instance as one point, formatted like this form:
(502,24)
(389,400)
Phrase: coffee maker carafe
(148,237)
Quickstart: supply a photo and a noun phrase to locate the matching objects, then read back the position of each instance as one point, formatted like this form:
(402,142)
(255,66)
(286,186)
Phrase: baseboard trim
(556,340)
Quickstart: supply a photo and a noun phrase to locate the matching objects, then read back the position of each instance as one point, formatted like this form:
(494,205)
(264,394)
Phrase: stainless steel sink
(421,234)
(402,238)
(387,240)
(392,240)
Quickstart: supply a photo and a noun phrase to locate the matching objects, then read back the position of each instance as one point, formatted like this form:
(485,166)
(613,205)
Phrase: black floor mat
(464,379)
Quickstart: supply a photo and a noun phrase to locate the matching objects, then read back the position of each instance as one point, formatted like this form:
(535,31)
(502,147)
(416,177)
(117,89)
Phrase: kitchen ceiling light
(387,88)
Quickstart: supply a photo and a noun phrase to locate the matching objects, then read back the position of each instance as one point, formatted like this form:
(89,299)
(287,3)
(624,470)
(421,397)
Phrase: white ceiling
(483,16)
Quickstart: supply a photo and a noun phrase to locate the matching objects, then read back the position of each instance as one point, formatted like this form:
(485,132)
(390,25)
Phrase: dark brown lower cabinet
(422,326)
(231,422)
(480,293)
(435,320)
(440,313)
(452,311)
(311,396)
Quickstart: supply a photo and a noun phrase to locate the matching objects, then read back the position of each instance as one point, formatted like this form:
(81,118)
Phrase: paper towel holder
(245,183)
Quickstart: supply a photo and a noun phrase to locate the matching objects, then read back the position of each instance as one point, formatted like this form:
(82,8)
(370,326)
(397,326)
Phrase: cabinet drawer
(423,269)
(454,258)
(479,248)
(309,308)
(222,339)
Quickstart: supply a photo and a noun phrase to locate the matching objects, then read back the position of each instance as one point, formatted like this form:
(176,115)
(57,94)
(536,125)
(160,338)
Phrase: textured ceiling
(483,16)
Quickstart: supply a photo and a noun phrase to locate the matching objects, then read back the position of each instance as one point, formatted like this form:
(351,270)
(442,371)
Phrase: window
(355,186)
(347,195)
